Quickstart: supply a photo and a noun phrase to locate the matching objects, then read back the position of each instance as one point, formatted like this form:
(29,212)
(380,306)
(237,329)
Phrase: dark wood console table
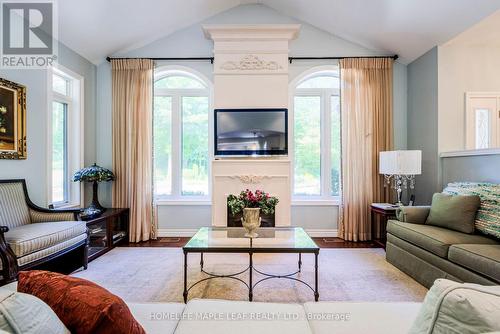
(386,212)
(107,231)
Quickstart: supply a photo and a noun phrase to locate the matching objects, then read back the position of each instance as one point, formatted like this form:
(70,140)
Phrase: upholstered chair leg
(86,251)
(8,258)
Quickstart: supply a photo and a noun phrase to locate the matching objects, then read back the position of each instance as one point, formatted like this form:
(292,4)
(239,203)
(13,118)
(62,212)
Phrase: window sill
(67,206)
(189,202)
(298,202)
(315,202)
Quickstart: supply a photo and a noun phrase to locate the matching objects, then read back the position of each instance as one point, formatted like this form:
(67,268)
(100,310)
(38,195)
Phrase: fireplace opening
(235,220)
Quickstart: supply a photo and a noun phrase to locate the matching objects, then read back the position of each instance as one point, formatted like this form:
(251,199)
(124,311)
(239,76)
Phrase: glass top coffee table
(270,240)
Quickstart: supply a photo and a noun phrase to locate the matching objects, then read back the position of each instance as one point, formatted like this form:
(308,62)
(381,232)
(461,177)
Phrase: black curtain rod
(211,59)
(290,59)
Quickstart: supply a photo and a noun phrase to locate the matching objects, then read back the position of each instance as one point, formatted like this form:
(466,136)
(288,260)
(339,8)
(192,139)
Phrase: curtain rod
(290,59)
(211,59)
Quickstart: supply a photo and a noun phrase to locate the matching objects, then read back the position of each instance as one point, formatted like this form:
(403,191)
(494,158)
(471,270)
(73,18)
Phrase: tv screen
(251,132)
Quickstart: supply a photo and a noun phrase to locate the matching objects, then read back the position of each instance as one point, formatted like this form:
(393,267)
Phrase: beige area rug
(156,275)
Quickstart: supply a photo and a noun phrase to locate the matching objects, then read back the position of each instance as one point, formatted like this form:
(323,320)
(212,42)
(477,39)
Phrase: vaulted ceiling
(98,28)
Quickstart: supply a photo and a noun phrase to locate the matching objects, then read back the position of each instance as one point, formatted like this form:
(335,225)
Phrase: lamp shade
(401,162)
(94,173)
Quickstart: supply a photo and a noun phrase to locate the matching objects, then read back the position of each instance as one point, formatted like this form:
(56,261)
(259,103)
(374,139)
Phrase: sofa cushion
(434,239)
(455,212)
(483,259)
(157,318)
(43,253)
(487,219)
(83,306)
(456,308)
(230,317)
(350,317)
(27,239)
(13,208)
(27,314)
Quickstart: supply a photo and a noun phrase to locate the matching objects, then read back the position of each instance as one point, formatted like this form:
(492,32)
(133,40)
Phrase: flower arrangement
(248,199)
(3,111)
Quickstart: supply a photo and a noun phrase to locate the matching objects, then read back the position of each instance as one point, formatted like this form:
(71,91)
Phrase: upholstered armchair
(31,236)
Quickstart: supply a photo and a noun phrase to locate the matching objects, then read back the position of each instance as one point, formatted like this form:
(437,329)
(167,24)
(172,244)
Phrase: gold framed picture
(12,120)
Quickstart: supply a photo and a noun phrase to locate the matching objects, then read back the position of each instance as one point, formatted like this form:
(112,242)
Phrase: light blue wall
(476,168)
(423,122)
(34,168)
(190,42)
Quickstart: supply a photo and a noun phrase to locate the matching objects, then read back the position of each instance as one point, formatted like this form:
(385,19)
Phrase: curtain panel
(132,96)
(367,129)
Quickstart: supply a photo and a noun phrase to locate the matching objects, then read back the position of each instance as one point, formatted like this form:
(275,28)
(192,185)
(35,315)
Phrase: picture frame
(12,120)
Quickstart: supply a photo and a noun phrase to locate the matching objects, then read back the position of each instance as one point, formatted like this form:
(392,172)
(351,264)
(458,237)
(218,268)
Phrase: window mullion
(176,145)
(326,148)
(66,154)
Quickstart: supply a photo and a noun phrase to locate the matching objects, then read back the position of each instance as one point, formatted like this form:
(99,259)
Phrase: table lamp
(400,167)
(93,174)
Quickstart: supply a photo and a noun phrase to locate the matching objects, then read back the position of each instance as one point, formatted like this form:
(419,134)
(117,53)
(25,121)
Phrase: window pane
(60,85)
(195,146)
(59,152)
(335,142)
(323,81)
(179,82)
(162,141)
(307,137)
(482,128)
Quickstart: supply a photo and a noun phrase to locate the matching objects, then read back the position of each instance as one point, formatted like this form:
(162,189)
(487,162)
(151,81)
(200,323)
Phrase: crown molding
(231,32)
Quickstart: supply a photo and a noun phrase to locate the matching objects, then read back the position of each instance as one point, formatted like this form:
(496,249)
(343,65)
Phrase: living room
(275,166)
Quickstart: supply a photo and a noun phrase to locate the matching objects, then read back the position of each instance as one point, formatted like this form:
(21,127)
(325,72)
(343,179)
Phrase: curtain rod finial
(108,59)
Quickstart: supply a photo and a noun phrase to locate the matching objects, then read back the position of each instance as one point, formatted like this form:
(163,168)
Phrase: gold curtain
(366,106)
(132,82)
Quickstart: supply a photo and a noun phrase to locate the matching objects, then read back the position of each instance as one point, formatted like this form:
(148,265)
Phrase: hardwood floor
(321,242)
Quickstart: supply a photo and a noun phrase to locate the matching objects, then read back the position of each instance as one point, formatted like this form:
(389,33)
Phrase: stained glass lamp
(95,174)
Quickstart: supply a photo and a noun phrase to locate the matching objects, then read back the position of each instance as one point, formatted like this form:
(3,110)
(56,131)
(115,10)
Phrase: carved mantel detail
(250,179)
(250,63)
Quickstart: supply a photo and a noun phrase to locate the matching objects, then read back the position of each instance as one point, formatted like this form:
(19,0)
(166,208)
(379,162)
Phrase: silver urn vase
(251,221)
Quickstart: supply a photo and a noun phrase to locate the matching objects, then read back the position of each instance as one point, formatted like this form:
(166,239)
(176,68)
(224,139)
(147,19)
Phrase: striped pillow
(488,215)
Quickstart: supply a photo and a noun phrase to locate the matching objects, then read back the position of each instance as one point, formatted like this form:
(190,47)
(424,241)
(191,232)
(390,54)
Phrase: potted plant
(252,204)
(93,174)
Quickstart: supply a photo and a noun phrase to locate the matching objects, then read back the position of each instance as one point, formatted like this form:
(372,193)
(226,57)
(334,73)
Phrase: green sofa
(427,252)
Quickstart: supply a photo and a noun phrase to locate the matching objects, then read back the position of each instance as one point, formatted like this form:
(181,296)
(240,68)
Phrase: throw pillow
(487,221)
(451,307)
(413,214)
(83,306)
(454,212)
(23,313)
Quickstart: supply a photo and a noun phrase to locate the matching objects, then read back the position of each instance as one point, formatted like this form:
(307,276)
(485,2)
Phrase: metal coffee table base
(251,285)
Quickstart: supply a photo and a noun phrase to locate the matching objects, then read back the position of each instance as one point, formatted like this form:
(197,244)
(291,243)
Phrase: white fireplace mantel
(231,176)
(251,64)
(251,71)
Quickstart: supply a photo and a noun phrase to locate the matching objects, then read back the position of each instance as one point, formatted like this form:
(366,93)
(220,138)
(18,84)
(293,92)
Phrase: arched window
(316,132)
(180,134)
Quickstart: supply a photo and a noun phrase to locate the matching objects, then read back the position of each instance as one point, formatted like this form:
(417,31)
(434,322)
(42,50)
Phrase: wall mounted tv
(243,132)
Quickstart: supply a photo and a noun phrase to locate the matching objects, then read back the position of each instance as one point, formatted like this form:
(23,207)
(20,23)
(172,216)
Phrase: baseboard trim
(322,233)
(181,232)
(189,232)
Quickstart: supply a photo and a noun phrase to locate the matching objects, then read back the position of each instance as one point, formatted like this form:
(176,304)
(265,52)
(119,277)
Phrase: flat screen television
(242,132)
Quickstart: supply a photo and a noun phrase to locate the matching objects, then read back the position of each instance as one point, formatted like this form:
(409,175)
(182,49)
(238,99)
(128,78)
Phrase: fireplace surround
(235,220)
